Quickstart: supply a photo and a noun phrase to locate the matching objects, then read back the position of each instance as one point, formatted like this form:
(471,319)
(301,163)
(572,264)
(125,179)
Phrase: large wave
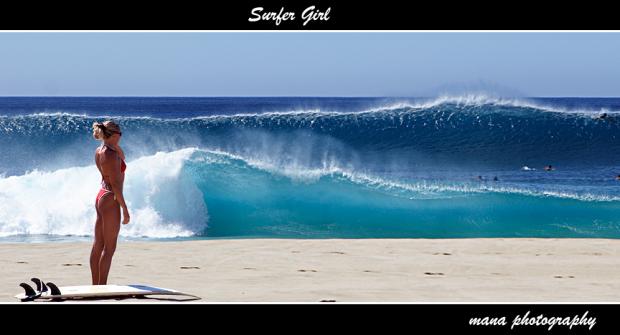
(404,169)
(447,133)
(195,192)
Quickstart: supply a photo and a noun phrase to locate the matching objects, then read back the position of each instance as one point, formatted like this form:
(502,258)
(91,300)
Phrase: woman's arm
(111,169)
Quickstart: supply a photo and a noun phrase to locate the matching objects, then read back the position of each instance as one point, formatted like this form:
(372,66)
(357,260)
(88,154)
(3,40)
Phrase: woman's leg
(111,218)
(95,253)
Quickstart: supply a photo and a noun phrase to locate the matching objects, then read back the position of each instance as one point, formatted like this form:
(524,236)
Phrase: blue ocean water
(447,167)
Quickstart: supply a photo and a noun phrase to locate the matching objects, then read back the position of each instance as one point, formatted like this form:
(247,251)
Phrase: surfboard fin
(53,288)
(30,292)
(41,287)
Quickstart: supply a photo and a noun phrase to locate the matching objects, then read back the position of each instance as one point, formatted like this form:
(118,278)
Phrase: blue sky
(309,64)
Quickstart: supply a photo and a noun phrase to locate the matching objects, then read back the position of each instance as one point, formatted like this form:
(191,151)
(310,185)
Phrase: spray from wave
(464,132)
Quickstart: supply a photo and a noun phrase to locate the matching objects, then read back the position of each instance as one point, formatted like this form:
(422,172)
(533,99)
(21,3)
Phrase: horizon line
(300,96)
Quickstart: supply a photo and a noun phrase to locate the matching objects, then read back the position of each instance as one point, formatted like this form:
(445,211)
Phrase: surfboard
(49,291)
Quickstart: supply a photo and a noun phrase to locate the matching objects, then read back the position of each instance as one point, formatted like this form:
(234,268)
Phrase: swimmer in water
(549,168)
(618,177)
(605,117)
(495,178)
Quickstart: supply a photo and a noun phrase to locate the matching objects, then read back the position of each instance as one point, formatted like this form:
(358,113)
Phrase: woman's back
(104,153)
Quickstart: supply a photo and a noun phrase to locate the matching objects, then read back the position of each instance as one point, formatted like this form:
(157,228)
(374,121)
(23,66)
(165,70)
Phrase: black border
(301,318)
(344,15)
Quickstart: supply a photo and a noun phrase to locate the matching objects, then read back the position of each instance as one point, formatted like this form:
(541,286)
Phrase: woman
(110,161)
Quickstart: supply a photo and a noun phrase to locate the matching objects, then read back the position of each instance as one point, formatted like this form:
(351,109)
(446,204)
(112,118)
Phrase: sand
(355,270)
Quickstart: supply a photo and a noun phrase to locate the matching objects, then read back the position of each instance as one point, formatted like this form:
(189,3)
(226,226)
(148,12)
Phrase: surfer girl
(110,161)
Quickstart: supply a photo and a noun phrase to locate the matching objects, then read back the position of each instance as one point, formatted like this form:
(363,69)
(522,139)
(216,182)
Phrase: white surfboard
(51,292)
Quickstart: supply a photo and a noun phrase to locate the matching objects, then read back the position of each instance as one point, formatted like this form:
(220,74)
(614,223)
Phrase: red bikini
(105,188)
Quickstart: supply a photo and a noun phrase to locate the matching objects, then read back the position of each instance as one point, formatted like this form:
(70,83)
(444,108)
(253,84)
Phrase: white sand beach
(342,270)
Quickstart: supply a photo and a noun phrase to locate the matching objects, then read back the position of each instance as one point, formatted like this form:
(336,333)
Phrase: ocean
(304,167)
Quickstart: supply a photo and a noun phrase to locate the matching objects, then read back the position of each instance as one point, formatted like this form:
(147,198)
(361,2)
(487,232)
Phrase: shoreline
(341,270)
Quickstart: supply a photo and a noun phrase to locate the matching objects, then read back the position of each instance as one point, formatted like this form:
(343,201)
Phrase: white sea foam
(163,202)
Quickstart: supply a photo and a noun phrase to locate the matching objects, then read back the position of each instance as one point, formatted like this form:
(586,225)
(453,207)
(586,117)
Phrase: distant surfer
(549,168)
(605,117)
(495,178)
(110,160)
(480,178)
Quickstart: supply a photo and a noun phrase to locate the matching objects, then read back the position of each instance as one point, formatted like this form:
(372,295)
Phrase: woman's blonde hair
(103,130)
